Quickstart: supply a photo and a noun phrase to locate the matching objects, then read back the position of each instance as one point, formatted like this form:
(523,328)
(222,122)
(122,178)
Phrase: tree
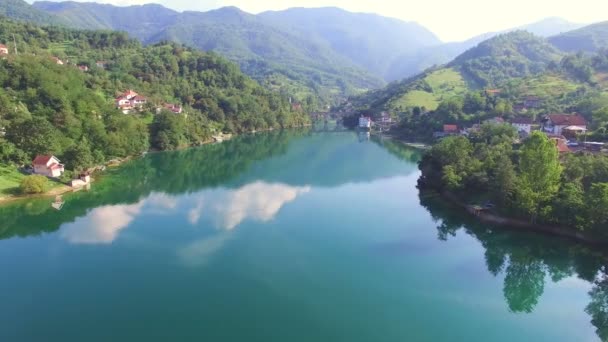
(34,184)
(79,156)
(539,174)
(36,136)
(597,199)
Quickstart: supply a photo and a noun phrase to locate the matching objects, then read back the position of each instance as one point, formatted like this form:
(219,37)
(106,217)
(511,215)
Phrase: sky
(450,20)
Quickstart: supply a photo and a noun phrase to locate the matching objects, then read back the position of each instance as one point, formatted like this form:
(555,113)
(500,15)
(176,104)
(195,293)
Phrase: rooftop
(567,119)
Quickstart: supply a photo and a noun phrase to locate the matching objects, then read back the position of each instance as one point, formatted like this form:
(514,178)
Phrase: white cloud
(451,20)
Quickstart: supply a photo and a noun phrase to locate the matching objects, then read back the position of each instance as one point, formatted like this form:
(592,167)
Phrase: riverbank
(61,188)
(522,225)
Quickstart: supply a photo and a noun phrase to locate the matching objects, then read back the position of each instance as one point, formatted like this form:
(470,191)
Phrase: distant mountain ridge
(22,11)
(590,38)
(386,48)
(493,62)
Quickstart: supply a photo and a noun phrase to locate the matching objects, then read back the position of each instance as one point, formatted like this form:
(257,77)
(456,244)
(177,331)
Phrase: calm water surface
(291,236)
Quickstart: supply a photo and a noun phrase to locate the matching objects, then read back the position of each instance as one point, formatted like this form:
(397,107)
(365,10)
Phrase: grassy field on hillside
(545,85)
(445,83)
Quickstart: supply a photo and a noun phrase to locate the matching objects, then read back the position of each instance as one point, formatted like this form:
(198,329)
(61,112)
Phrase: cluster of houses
(558,127)
(130,101)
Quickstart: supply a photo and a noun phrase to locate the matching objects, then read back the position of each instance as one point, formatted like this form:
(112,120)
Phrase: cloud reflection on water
(101,225)
(226,208)
(258,201)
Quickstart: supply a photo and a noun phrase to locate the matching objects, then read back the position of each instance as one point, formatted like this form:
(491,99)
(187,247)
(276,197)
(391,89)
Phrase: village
(564,129)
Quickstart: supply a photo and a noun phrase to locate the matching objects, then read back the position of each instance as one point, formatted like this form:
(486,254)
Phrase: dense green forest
(281,58)
(60,109)
(529,181)
(21,10)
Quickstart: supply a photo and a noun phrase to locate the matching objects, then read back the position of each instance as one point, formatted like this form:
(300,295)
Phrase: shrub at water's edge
(34,184)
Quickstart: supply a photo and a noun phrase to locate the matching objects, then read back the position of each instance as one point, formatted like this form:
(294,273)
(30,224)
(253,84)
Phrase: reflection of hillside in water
(294,158)
(528,260)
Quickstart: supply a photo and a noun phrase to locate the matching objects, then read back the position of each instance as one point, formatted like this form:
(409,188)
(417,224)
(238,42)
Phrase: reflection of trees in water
(399,149)
(172,173)
(524,284)
(526,260)
(598,308)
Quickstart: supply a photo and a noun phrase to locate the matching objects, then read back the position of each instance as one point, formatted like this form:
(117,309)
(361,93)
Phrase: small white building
(47,165)
(522,124)
(365,122)
(3,49)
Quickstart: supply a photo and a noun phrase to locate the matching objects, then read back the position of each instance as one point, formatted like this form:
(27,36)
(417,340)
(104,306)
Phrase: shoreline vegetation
(527,185)
(522,225)
(62,188)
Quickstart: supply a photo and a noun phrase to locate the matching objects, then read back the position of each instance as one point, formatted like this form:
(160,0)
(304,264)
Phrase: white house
(3,49)
(522,124)
(130,100)
(48,166)
(555,123)
(365,122)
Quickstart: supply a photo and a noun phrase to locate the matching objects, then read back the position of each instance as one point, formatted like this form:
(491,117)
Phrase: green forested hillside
(141,22)
(489,64)
(590,38)
(59,109)
(287,60)
(370,41)
(515,54)
(20,10)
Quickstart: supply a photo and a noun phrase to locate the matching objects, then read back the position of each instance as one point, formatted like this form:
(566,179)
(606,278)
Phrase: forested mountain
(590,38)
(20,10)
(489,64)
(280,57)
(371,41)
(416,61)
(320,52)
(515,54)
(141,22)
(69,111)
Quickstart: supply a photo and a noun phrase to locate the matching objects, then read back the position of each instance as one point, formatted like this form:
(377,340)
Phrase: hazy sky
(450,19)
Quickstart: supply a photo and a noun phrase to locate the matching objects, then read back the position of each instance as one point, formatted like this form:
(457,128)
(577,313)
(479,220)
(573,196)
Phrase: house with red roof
(556,123)
(561,144)
(450,129)
(48,165)
(3,49)
(130,100)
(177,109)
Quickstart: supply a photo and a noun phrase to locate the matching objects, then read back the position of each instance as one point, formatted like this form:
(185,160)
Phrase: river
(284,236)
